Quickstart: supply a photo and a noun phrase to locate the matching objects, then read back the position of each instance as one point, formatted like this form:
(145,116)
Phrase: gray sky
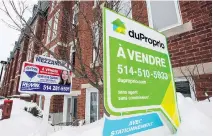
(8,36)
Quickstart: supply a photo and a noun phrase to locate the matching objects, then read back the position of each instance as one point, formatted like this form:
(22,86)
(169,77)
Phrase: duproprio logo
(118,26)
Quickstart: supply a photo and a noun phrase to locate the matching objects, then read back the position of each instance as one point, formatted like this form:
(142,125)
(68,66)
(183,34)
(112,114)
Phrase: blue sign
(42,87)
(132,125)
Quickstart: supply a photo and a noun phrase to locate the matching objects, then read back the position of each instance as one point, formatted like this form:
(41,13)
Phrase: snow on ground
(195,120)
(195,117)
(21,123)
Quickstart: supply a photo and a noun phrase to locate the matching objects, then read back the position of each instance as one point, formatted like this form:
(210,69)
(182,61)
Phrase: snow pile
(21,123)
(195,117)
(34,109)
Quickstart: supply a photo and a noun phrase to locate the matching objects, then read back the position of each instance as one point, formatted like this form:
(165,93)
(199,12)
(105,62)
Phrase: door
(92,105)
(71,109)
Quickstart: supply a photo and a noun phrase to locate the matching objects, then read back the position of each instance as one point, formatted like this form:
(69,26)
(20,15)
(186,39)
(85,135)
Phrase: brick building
(186,24)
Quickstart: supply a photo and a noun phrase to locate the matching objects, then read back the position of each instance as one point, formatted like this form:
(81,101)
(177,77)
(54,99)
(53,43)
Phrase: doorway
(92,105)
(71,109)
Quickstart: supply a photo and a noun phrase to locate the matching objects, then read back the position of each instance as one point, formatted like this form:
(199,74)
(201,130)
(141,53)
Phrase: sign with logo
(137,69)
(42,79)
(48,61)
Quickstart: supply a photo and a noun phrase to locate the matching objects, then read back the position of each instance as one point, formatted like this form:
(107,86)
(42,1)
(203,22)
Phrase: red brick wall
(81,104)
(195,46)
(14,83)
(10,82)
(40,28)
(20,59)
(203,83)
(139,12)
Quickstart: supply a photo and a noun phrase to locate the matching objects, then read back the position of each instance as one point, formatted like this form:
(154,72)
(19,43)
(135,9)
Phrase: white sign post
(45,80)
(44,125)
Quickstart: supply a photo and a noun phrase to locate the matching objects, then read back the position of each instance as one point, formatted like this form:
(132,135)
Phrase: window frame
(190,80)
(130,14)
(72,50)
(95,4)
(29,52)
(178,13)
(55,25)
(94,53)
(89,91)
(49,31)
(75,13)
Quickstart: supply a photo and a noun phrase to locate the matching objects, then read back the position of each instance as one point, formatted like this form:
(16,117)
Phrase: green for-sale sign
(137,69)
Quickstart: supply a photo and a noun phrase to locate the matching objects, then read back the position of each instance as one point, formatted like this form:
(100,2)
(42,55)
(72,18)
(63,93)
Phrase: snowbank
(196,120)
(195,117)
(21,122)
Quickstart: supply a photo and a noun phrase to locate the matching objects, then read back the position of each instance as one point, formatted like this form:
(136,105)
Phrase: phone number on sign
(56,88)
(129,70)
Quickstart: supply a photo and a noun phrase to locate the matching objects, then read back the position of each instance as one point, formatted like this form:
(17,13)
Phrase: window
(91,105)
(53,5)
(34,27)
(96,2)
(124,8)
(72,54)
(96,48)
(55,25)
(29,52)
(49,30)
(163,14)
(22,46)
(75,14)
(185,86)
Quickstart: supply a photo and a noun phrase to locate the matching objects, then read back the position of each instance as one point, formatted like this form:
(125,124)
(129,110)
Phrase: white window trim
(34,27)
(53,5)
(52,49)
(75,12)
(178,12)
(29,52)
(191,84)
(87,104)
(130,13)
(45,54)
(71,50)
(55,25)
(94,54)
(95,4)
(49,27)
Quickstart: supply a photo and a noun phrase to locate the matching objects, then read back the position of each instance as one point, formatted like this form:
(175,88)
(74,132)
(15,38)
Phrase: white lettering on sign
(140,57)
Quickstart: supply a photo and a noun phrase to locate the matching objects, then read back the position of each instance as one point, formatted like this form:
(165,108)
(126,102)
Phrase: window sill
(101,6)
(178,29)
(96,64)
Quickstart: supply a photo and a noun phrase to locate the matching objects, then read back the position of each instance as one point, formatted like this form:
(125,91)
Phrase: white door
(91,105)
